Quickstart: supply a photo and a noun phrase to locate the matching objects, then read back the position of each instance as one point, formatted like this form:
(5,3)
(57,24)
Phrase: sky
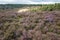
(29,1)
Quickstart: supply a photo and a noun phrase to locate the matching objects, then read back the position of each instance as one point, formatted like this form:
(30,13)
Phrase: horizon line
(33,3)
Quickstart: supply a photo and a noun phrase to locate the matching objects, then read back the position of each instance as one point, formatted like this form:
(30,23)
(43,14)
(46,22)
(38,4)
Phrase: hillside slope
(44,25)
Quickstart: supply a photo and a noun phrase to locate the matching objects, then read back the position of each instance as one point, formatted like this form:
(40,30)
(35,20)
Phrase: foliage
(47,7)
(44,25)
(31,26)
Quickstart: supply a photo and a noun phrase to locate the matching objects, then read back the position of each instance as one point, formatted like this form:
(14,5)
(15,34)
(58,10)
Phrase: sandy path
(22,10)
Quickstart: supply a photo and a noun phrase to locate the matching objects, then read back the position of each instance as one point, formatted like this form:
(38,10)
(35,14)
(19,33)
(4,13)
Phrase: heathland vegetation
(41,22)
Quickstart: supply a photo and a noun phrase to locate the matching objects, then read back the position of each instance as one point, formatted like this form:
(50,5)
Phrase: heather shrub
(44,25)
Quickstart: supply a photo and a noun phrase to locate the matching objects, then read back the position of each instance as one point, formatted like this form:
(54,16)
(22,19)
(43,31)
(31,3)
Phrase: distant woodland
(49,7)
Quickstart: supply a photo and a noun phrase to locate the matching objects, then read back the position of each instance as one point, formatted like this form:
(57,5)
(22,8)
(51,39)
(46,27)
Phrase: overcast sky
(28,1)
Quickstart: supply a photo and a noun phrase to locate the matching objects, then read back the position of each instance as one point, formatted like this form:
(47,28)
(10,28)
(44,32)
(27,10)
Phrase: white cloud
(7,0)
(47,2)
(23,2)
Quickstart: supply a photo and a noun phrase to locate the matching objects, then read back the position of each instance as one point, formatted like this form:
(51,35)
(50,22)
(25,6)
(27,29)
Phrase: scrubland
(42,23)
